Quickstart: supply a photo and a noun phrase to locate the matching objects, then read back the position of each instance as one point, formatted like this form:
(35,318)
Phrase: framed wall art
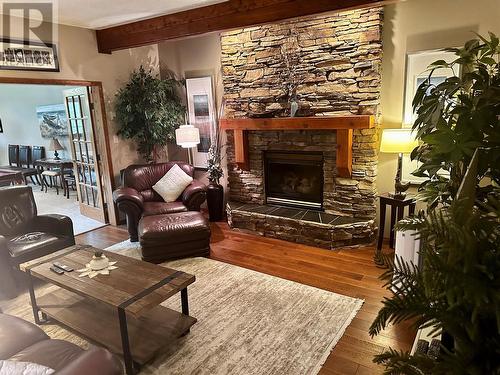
(28,55)
(201,109)
(53,120)
(416,72)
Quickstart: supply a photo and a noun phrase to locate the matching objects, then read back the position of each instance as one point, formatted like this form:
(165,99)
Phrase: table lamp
(398,141)
(55,146)
(187,136)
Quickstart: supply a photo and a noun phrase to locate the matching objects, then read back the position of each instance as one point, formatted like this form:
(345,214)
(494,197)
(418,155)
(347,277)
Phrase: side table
(397,207)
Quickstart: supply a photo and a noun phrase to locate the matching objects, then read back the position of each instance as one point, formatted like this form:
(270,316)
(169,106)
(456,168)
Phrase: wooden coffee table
(121,310)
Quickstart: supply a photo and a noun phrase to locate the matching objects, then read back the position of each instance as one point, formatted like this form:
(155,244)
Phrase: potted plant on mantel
(215,191)
(148,110)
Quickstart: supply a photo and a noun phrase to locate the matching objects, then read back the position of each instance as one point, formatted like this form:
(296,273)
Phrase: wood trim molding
(344,126)
(48,81)
(300,123)
(344,152)
(231,14)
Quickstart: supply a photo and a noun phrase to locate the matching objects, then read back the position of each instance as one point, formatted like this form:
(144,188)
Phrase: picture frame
(53,121)
(202,114)
(416,72)
(28,55)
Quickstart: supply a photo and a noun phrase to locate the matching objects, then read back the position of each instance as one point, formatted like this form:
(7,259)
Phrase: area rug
(248,322)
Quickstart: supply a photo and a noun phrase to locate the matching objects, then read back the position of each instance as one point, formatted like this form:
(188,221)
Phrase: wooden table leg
(393,222)
(401,213)
(412,209)
(381,229)
(41,177)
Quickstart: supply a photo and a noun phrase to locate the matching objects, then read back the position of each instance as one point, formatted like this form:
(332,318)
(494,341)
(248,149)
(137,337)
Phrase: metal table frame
(131,366)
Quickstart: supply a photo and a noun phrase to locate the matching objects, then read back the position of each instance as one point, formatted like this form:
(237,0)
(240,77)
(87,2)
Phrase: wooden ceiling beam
(228,15)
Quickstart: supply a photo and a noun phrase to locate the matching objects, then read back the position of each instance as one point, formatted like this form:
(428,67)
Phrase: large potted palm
(148,110)
(456,290)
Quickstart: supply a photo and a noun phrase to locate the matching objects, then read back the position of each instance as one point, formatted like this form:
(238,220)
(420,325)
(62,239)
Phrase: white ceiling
(98,14)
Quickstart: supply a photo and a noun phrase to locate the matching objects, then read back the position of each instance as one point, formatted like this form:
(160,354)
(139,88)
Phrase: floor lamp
(187,136)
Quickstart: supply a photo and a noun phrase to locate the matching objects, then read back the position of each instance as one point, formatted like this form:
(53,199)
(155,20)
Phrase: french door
(84,154)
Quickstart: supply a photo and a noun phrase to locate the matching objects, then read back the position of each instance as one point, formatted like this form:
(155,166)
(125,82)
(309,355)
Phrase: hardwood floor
(346,271)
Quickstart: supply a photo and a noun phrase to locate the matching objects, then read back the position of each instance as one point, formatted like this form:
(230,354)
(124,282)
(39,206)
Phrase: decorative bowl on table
(98,265)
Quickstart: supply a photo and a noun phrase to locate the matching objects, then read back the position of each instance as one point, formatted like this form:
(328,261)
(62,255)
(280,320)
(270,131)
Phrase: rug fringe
(338,336)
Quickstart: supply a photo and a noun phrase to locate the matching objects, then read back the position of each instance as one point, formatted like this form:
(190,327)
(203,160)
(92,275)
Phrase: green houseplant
(457,288)
(148,109)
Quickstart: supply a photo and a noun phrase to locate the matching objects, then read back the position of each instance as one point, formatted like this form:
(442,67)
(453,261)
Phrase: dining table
(61,165)
(11,177)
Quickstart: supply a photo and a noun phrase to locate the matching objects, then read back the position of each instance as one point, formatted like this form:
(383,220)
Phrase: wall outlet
(116,139)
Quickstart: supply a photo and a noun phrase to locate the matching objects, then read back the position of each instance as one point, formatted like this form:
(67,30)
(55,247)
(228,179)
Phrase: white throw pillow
(170,186)
(8,367)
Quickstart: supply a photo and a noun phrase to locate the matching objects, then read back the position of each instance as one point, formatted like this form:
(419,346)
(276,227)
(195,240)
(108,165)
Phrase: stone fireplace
(290,186)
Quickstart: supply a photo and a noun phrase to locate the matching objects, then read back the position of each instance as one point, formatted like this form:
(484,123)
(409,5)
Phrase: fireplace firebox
(294,179)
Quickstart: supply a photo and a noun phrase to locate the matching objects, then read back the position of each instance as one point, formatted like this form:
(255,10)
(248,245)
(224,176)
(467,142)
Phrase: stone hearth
(309,227)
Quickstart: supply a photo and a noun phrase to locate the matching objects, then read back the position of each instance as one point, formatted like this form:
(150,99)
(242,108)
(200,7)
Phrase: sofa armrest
(127,194)
(95,361)
(194,195)
(131,203)
(53,223)
(8,287)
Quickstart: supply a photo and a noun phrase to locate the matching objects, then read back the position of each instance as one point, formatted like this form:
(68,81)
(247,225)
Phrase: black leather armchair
(25,235)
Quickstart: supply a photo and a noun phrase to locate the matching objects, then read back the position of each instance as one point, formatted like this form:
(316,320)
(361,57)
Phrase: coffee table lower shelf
(99,322)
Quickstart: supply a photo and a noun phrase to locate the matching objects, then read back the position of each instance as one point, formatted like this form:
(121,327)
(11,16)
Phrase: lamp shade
(187,136)
(397,141)
(55,145)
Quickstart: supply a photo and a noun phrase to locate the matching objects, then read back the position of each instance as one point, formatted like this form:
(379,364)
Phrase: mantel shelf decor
(343,125)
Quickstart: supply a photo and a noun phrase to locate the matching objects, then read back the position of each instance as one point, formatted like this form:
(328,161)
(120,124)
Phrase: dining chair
(13,158)
(25,161)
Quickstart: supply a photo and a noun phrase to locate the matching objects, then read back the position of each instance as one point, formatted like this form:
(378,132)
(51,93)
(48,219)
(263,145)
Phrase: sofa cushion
(172,184)
(17,209)
(162,208)
(17,334)
(175,228)
(23,368)
(142,177)
(51,353)
(35,244)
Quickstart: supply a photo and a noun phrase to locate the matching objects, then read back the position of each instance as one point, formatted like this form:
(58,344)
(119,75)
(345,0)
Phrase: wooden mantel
(344,126)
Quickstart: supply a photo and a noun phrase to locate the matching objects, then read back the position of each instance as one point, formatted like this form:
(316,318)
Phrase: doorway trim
(107,162)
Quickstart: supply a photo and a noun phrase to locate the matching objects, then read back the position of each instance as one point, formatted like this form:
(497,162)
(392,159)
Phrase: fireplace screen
(294,179)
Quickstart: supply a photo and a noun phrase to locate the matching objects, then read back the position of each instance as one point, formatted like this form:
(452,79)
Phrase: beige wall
(419,25)
(193,58)
(79,59)
(18,105)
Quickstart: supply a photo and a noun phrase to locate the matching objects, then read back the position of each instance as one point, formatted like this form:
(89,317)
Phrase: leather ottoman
(174,236)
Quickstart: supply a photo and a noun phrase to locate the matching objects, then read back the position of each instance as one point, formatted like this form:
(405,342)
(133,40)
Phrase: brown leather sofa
(25,342)
(137,198)
(25,235)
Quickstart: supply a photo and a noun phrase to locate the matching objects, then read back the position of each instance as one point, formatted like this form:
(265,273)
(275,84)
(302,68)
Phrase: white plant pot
(97,264)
